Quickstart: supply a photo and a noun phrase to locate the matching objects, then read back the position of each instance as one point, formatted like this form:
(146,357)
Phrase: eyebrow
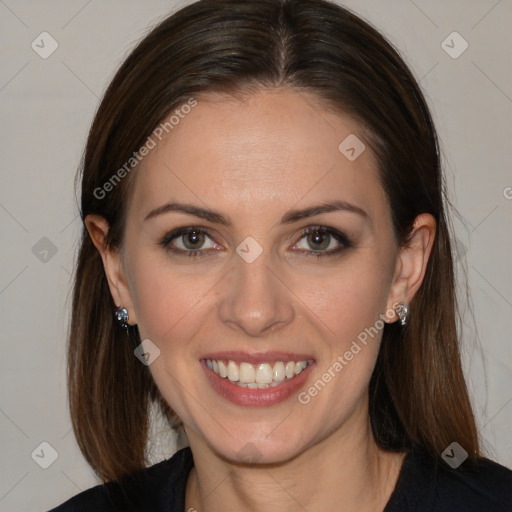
(288,218)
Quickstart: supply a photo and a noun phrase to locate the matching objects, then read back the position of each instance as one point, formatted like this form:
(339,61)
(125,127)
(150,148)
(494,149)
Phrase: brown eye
(189,241)
(318,240)
(321,241)
(193,240)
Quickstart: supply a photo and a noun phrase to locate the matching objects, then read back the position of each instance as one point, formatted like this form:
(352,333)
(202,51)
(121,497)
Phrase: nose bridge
(254,298)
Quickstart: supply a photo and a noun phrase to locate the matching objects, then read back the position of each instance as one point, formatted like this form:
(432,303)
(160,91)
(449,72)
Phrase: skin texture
(252,161)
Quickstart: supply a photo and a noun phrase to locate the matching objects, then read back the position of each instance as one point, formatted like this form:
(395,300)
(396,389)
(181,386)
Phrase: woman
(264,214)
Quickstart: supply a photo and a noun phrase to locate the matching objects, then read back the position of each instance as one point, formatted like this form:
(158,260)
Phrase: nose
(255,299)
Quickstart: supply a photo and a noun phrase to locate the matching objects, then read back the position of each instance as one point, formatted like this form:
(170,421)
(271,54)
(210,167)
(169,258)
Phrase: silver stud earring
(402,312)
(121,315)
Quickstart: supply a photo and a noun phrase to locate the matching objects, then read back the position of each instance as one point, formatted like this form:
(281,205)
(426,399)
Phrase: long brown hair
(418,394)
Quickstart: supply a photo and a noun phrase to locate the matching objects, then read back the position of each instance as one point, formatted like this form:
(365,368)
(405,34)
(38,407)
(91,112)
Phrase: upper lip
(257,357)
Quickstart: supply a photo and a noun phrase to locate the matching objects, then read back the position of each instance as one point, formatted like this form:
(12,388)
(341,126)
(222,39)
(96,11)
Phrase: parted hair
(418,395)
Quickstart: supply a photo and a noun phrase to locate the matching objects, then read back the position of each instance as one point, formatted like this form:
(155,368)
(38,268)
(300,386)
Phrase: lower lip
(256,397)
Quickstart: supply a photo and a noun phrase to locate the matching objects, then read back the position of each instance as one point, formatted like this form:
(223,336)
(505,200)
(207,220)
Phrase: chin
(252,453)
(264,447)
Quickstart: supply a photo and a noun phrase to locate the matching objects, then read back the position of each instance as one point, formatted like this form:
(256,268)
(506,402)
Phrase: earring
(402,312)
(121,315)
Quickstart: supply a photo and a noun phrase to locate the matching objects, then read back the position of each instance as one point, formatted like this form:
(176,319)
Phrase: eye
(323,241)
(188,241)
(319,241)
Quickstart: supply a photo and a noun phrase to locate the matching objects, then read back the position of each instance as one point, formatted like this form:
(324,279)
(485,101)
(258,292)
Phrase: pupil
(195,238)
(317,238)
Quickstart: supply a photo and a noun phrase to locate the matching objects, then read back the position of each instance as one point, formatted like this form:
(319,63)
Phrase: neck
(347,468)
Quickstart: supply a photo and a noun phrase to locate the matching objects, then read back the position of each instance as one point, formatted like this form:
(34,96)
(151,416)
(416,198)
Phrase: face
(260,277)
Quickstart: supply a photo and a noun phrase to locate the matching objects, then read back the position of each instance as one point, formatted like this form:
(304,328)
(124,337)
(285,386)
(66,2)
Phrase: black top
(424,485)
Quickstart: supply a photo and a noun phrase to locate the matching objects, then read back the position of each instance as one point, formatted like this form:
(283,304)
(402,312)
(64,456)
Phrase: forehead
(274,147)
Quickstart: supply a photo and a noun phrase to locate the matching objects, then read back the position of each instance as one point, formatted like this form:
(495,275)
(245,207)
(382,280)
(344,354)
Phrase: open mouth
(257,376)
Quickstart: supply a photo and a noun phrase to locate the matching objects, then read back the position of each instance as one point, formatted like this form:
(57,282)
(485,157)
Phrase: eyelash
(337,235)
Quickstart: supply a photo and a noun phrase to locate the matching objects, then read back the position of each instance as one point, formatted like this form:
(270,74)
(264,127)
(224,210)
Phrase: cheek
(348,300)
(348,310)
(171,304)
(166,297)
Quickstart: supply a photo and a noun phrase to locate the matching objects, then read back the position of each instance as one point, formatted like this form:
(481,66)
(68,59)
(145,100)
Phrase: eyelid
(179,232)
(342,239)
(338,235)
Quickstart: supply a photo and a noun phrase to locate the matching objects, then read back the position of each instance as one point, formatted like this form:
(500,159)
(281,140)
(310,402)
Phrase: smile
(257,376)
(257,379)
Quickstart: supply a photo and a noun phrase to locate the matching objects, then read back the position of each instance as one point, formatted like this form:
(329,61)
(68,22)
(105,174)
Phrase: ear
(411,263)
(98,227)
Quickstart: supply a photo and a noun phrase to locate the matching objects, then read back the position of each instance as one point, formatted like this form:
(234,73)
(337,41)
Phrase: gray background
(47,106)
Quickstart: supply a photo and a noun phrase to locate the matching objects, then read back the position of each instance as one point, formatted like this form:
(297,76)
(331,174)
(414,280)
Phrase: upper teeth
(262,375)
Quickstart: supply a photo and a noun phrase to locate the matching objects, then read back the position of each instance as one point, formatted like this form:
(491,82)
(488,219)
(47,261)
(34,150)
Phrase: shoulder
(151,489)
(426,484)
(485,485)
